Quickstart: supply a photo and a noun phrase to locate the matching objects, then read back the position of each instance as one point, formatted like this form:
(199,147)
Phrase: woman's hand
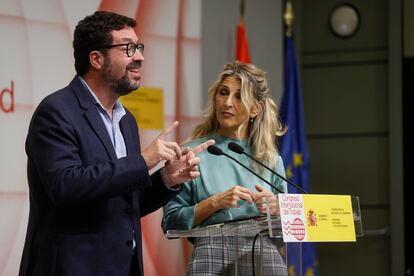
(232,198)
(272,201)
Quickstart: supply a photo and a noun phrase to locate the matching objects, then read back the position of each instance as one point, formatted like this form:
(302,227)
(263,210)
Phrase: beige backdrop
(36,58)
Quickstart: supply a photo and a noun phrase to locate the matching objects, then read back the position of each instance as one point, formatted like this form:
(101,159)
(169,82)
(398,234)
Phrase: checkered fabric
(217,255)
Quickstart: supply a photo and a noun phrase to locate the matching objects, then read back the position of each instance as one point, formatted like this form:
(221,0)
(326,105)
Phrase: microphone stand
(239,149)
(217,151)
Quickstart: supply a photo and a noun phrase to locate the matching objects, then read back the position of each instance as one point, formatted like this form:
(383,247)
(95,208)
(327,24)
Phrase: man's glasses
(130,48)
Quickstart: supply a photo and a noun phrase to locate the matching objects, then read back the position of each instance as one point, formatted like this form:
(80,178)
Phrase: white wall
(36,58)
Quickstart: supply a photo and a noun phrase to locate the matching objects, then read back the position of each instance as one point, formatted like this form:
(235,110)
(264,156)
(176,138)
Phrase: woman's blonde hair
(263,130)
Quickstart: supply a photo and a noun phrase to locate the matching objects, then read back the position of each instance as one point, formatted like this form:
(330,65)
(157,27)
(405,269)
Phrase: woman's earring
(251,120)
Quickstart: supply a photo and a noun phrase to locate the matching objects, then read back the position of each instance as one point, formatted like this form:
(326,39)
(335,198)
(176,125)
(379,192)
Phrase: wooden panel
(351,166)
(408,28)
(317,36)
(344,58)
(368,256)
(345,99)
(345,95)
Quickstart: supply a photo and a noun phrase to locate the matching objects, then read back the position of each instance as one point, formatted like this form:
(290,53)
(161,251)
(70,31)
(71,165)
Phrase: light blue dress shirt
(112,125)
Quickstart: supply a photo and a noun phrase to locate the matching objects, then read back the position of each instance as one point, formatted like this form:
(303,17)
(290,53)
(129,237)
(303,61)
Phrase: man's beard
(122,86)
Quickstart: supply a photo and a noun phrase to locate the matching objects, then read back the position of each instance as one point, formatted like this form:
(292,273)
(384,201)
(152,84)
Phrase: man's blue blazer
(85,204)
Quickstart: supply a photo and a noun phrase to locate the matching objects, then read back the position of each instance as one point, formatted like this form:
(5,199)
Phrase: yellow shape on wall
(147,106)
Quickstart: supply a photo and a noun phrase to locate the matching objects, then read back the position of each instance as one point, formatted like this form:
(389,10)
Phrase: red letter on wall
(7,106)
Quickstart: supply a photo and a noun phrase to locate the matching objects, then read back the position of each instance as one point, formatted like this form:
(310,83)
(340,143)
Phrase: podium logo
(311,218)
(296,228)
(7,99)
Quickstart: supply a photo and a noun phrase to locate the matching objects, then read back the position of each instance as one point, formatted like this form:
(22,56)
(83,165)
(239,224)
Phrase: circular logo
(298,229)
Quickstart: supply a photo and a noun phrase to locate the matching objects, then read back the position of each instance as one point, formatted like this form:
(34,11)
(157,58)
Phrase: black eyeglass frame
(129,45)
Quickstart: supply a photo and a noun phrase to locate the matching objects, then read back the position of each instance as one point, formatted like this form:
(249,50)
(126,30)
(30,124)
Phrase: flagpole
(288,18)
(242,48)
(242,9)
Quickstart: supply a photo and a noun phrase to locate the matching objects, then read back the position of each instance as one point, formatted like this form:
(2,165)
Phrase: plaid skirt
(233,256)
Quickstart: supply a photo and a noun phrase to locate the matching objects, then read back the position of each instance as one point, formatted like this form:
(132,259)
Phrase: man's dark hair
(94,32)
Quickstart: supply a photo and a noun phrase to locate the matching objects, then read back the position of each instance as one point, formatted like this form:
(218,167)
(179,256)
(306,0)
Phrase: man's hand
(272,201)
(185,167)
(160,149)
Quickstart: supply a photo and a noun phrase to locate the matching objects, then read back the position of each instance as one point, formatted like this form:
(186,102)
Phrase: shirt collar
(118,107)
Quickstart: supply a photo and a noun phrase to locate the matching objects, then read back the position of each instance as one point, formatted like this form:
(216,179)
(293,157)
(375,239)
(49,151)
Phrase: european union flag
(295,156)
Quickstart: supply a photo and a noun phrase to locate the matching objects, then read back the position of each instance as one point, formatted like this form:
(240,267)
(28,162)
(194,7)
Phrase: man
(89,182)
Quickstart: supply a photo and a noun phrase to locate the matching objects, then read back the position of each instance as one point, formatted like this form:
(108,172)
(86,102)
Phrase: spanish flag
(242,48)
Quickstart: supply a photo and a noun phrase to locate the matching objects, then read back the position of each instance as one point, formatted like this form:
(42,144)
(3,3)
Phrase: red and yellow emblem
(311,218)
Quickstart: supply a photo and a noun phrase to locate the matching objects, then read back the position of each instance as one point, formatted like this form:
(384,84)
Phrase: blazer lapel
(128,137)
(92,115)
(129,144)
(95,120)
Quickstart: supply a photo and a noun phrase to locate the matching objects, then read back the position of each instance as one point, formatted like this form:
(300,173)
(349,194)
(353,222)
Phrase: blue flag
(295,157)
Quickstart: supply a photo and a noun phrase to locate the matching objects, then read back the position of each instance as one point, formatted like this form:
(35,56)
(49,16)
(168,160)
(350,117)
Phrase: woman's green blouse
(218,174)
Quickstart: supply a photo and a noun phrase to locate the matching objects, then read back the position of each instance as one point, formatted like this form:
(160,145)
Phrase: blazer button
(129,243)
(128,210)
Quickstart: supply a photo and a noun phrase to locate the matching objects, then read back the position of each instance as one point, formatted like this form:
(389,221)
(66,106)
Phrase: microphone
(217,151)
(239,149)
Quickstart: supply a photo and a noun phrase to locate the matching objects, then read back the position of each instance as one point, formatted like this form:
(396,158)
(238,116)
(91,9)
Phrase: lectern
(257,227)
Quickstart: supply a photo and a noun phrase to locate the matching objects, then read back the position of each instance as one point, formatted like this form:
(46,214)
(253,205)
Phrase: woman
(239,110)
